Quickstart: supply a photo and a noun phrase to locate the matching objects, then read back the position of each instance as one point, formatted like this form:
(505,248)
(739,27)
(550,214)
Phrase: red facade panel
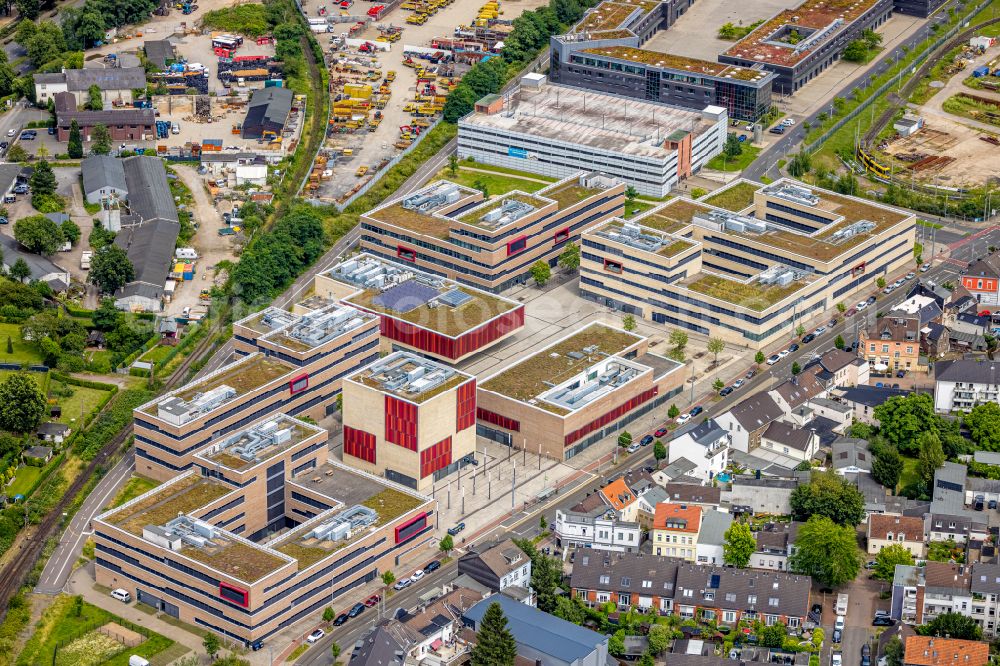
(498,420)
(359,444)
(435,457)
(465,409)
(234,594)
(490,332)
(401,422)
(431,342)
(614,414)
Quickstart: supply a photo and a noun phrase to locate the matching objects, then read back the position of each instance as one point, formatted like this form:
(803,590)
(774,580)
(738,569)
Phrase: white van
(136,660)
(185,253)
(121,595)
(175,128)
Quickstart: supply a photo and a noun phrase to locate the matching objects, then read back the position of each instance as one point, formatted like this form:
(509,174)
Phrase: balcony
(447,654)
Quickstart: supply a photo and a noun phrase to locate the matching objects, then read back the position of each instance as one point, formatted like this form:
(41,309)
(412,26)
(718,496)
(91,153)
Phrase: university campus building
(260,532)
(292,364)
(451,230)
(574,392)
(747,263)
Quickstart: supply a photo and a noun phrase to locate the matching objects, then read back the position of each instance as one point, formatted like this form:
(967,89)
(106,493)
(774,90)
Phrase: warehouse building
(420,312)
(409,419)
(557,130)
(451,230)
(748,263)
(267,113)
(297,369)
(262,532)
(576,391)
(797,44)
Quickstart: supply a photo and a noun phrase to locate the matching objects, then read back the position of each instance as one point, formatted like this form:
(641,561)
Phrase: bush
(110,422)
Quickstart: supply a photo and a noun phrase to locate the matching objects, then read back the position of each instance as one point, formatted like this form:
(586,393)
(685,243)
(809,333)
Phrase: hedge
(78,312)
(85,383)
(46,472)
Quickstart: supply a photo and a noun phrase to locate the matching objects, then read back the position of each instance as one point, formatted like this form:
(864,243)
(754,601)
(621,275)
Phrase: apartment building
(706,446)
(675,531)
(763,494)
(557,130)
(451,230)
(592,523)
(982,280)
(261,532)
(919,594)
(420,312)
(888,530)
(962,384)
(576,391)
(670,585)
(892,343)
(791,442)
(775,544)
(746,422)
(797,44)
(409,419)
(749,263)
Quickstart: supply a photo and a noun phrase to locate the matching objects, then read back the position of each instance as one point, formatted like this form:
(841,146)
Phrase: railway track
(13,575)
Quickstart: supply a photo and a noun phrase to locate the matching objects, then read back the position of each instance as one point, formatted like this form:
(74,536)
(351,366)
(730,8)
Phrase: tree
(930,458)
(983,423)
(830,496)
(446,544)
(20,271)
(739,545)
(880,283)
(628,322)
(625,439)
(616,644)
(570,257)
(388,578)
(75,147)
(887,466)
(29,9)
(328,614)
(839,342)
(570,610)
(904,418)
(17,154)
(70,231)
(888,558)
(678,338)
(800,330)
(733,147)
(758,358)
(673,412)
(453,164)
(952,625)
(546,574)
(10,345)
(542,522)
(100,140)
(540,272)
(482,186)
(646,660)
(826,551)
(856,51)
(894,652)
(796,368)
(95,102)
(495,644)
(659,450)
(110,269)
(38,234)
(659,638)
(106,317)
(800,164)
(211,644)
(43,180)
(718,384)
(716,347)
(630,194)
(773,635)
(335,650)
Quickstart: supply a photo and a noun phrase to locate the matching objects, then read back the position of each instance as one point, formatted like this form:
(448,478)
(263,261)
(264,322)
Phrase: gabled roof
(986,267)
(140,117)
(931,651)
(871,396)
(503,557)
(158,51)
(967,370)
(684,493)
(880,525)
(768,592)
(706,433)
(756,411)
(380,646)
(9,172)
(788,435)
(837,359)
(895,328)
(149,192)
(110,78)
(985,578)
(40,266)
(799,389)
(103,172)
(713,527)
(617,494)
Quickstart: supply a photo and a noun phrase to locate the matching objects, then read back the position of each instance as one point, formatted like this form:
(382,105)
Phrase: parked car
(816,613)
(866,655)
(910,275)
(373,600)
(836,659)
(750,373)
(4,145)
(121,595)
(315,636)
(839,622)
(52,130)
(794,347)
(633,447)
(809,337)
(402,584)
(925,268)
(356,610)
(340,619)
(646,441)
(838,634)
(21,188)
(660,432)
(883,621)
(683,418)
(871,300)
(783,353)
(901,373)
(820,331)
(696,411)
(432,566)
(456,529)
(12,132)
(417,575)
(772,359)
(851,312)
(726,391)
(777,129)
(861,306)
(739,383)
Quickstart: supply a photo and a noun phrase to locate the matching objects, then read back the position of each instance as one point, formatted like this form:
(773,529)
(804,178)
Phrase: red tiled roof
(930,651)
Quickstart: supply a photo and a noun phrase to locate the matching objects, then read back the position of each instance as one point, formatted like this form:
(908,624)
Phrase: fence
(100,626)
(853,113)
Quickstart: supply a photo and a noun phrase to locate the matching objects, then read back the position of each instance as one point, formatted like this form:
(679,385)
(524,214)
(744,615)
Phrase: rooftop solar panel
(454,298)
(405,297)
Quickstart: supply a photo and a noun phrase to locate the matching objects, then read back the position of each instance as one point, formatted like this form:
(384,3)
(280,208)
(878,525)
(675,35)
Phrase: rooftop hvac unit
(794,193)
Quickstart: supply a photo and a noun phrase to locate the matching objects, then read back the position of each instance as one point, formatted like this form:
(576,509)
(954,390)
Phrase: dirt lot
(372,147)
(974,160)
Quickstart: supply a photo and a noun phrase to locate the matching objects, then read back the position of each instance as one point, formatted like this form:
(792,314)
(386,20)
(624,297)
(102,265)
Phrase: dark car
(808,338)
(866,655)
(816,613)
(21,189)
(432,566)
(832,322)
(871,300)
(356,610)
(751,372)
(646,441)
(901,373)
(696,411)
(341,619)
(4,145)
(883,621)
(851,312)
(793,348)
(837,635)
(726,391)
(52,130)
(456,529)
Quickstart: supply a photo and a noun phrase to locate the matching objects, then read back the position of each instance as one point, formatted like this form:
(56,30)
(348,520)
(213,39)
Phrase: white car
(121,595)
(788,122)
(836,659)
(417,575)
(910,276)
(749,127)
(683,418)
(738,383)
(839,624)
(633,448)
(11,132)
(861,306)
(774,358)
(820,331)
(315,636)
(925,268)
(783,353)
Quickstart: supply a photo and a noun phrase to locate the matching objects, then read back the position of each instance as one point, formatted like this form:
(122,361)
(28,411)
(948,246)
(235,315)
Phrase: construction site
(391,68)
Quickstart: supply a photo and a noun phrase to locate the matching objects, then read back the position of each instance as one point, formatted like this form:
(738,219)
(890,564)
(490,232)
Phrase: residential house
(935,651)
(891,344)
(707,497)
(497,566)
(985,586)
(841,368)
(962,384)
(52,431)
(864,399)
(925,307)
(103,179)
(126,124)
(435,627)
(681,470)
(646,504)
(543,638)
(115,83)
(888,529)
(799,390)
(621,499)
(37,452)
(919,594)
(799,444)
(387,644)
(775,544)
(712,537)
(949,518)
(675,530)
(10,175)
(592,523)
(706,445)
(746,422)
(851,456)
(762,494)
(42,268)
(982,280)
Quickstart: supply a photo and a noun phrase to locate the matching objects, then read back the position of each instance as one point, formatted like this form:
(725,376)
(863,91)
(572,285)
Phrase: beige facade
(748,263)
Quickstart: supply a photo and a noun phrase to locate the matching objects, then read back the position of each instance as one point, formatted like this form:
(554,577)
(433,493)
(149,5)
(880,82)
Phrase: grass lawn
(77,406)
(23,352)
(909,475)
(635,208)
(721,163)
(471,163)
(59,627)
(23,480)
(41,378)
(156,354)
(495,183)
(137,485)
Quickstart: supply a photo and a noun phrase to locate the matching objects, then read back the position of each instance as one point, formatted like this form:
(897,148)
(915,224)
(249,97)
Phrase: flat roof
(611,14)
(347,488)
(319,327)
(258,443)
(683,63)
(531,377)
(495,214)
(597,120)
(268,319)
(672,216)
(734,197)
(182,495)
(409,376)
(821,19)
(418,298)
(643,238)
(420,211)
